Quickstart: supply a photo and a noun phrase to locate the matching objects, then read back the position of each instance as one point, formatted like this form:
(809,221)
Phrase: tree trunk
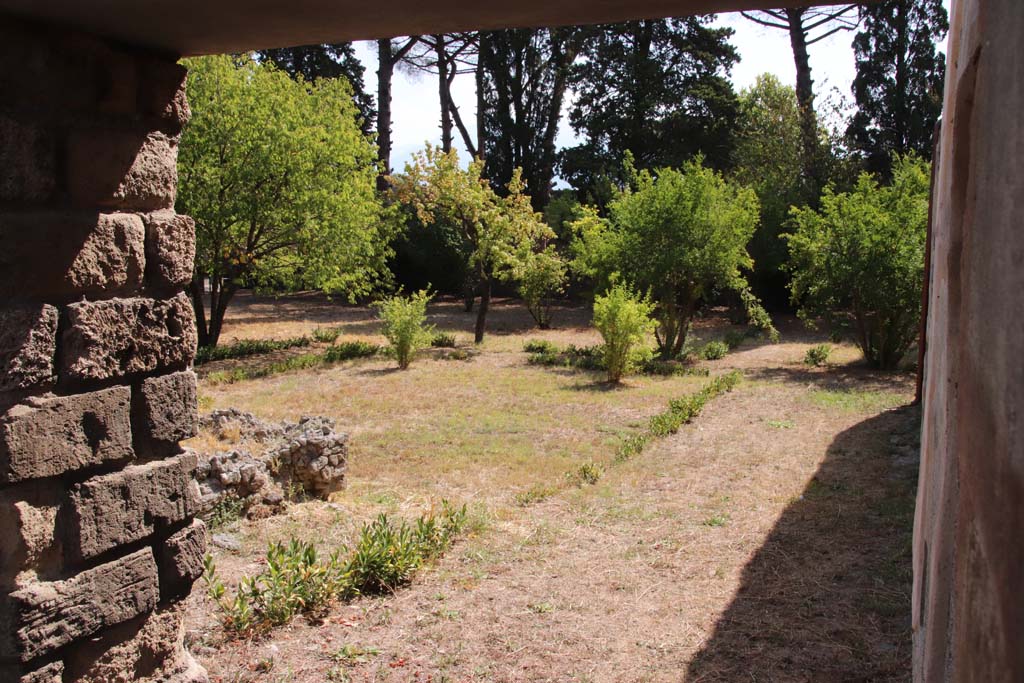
(385,72)
(805,97)
(481,315)
(198,305)
(443,93)
(481,107)
(218,309)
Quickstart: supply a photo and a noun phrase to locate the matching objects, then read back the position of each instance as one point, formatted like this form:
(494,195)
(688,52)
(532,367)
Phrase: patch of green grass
(534,494)
(541,607)
(780,424)
(247,347)
(856,401)
(716,520)
(334,354)
(353,654)
(326,335)
(350,350)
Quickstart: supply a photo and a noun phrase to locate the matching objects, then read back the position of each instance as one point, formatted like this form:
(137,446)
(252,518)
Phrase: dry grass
(767,541)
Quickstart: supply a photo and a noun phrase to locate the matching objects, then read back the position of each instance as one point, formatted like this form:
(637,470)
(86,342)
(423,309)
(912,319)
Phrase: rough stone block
(180,559)
(45,437)
(170,249)
(28,340)
(28,161)
(45,616)
(32,673)
(127,506)
(29,544)
(162,91)
(61,255)
(121,337)
(132,170)
(165,410)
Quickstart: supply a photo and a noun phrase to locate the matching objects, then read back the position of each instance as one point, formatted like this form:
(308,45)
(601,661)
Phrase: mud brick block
(122,169)
(44,437)
(28,341)
(45,616)
(127,506)
(121,337)
(64,255)
(170,249)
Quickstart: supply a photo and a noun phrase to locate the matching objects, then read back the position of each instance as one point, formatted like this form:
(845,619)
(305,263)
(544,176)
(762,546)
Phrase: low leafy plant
(587,473)
(818,355)
(247,347)
(301,362)
(443,340)
(405,325)
(225,511)
(350,350)
(540,346)
(734,338)
(534,494)
(326,335)
(714,350)
(624,320)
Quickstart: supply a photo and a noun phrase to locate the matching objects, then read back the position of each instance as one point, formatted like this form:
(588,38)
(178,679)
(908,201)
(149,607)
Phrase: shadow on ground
(827,596)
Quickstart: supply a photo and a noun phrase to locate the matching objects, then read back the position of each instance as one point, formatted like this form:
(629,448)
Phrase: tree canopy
(281,183)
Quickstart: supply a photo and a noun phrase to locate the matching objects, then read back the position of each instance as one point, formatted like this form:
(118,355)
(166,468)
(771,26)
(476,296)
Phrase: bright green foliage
(714,350)
(859,262)
(624,321)
(541,276)
(405,326)
(588,473)
(496,232)
(818,355)
(680,235)
(443,340)
(326,335)
(281,183)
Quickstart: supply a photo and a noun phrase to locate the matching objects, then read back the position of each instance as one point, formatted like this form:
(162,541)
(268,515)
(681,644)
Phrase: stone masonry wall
(98,542)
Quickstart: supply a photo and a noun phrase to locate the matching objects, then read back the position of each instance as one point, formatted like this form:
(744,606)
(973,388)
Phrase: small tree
(541,276)
(624,320)
(405,326)
(680,235)
(496,231)
(859,261)
(281,183)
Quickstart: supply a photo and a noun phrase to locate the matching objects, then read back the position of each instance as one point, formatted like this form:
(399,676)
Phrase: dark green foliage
(334,354)
(349,350)
(225,511)
(326,335)
(247,347)
(899,82)
(539,346)
(734,339)
(443,340)
(818,355)
(714,350)
(657,88)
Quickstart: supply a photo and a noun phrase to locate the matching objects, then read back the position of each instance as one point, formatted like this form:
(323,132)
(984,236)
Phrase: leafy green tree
(899,82)
(859,261)
(327,60)
(658,88)
(495,230)
(280,182)
(405,325)
(540,275)
(624,321)
(680,235)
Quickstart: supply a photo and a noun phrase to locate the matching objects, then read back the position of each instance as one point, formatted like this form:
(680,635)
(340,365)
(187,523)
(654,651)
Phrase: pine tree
(900,75)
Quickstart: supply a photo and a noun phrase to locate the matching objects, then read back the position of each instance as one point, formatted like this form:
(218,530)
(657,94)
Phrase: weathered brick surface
(180,559)
(165,409)
(61,255)
(120,337)
(29,543)
(32,673)
(127,506)
(28,161)
(49,436)
(48,615)
(28,337)
(130,170)
(170,249)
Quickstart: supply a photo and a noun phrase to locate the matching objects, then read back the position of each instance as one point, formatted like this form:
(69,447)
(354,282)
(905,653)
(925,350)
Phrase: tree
(447,55)
(899,82)
(680,235)
(658,88)
(859,261)
(495,230)
(540,275)
(280,182)
(328,60)
(807,26)
(389,53)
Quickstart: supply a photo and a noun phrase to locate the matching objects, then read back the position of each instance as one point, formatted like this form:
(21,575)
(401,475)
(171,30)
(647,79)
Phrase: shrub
(734,338)
(623,319)
(859,261)
(818,355)
(540,346)
(349,350)
(225,511)
(587,473)
(541,276)
(246,347)
(405,327)
(442,340)
(326,335)
(714,350)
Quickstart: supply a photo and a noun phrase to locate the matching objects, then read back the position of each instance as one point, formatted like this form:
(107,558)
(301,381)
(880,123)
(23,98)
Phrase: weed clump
(714,350)
(442,340)
(326,335)
(247,347)
(818,355)
(350,350)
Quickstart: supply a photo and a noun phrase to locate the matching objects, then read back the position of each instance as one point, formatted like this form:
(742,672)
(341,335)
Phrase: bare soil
(767,541)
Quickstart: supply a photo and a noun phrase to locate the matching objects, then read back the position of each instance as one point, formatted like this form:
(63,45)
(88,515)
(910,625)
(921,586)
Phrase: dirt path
(767,541)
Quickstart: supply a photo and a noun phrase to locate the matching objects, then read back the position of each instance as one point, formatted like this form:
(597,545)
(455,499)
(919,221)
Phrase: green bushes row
(548,354)
(334,354)
(247,347)
(297,580)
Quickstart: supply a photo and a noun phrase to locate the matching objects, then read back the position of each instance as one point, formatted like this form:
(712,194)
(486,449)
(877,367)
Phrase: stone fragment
(28,161)
(45,616)
(32,673)
(29,544)
(165,410)
(45,437)
(170,249)
(127,506)
(121,337)
(122,169)
(28,341)
(180,559)
(62,255)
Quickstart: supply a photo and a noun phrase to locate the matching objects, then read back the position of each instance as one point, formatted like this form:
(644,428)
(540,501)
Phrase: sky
(416,112)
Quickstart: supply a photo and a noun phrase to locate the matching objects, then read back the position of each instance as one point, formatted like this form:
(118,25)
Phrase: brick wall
(98,544)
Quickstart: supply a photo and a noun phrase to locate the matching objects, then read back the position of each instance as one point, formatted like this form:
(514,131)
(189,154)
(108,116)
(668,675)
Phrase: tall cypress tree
(900,75)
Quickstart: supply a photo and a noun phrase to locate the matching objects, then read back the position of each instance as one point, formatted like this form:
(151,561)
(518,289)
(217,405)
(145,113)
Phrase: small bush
(443,340)
(734,338)
(247,347)
(405,326)
(540,346)
(541,276)
(587,473)
(714,350)
(301,362)
(349,350)
(326,335)
(818,355)
(225,511)
(624,320)
(534,494)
